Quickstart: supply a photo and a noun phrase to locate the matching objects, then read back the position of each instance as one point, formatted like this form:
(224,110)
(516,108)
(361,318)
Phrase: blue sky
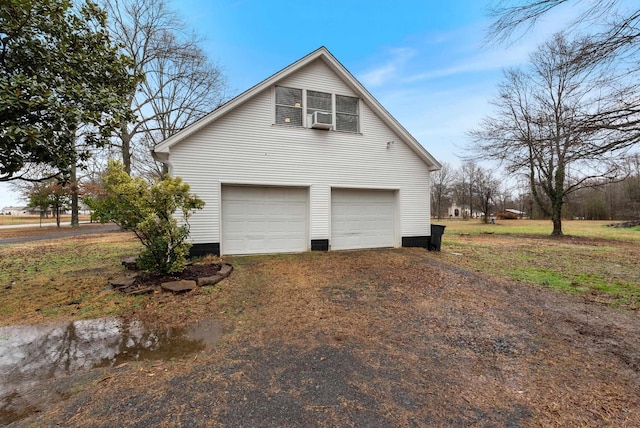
(426,61)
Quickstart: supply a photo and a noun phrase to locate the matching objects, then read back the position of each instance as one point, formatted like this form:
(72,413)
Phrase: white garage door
(361,219)
(264,219)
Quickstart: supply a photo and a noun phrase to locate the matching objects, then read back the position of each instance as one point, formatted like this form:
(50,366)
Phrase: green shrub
(149,210)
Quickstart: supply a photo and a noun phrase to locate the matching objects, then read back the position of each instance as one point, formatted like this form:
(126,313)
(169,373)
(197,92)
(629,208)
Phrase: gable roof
(161,150)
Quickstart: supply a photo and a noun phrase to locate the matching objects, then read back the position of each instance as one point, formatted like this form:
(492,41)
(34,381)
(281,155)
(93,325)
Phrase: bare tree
(488,190)
(178,84)
(616,28)
(631,187)
(614,37)
(441,187)
(469,174)
(549,125)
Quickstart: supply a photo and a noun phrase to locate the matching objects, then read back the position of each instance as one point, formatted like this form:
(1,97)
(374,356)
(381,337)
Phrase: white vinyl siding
(362,219)
(264,219)
(243,147)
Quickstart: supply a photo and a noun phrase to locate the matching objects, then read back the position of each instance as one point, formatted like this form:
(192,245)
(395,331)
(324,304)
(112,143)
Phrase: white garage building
(305,160)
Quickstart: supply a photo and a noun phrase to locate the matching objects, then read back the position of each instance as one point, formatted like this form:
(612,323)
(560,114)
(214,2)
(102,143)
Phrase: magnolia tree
(151,211)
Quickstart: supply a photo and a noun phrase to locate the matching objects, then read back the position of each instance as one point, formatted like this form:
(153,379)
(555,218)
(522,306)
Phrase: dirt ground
(373,338)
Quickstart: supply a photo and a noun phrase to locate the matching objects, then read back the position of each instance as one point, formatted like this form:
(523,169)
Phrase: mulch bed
(147,282)
(190,272)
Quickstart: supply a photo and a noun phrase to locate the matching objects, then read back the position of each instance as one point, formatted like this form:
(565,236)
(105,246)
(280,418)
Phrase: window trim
(275,105)
(358,114)
(304,107)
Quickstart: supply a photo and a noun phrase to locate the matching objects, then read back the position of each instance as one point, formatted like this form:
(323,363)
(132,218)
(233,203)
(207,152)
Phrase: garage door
(264,219)
(361,219)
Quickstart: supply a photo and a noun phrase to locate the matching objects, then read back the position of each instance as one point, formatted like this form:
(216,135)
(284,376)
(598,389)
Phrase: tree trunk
(58,215)
(126,148)
(556,217)
(470,199)
(75,221)
(557,226)
(557,197)
(126,156)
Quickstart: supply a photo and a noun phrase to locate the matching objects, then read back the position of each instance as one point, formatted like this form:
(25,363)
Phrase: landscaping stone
(130,263)
(179,286)
(143,283)
(126,281)
(210,280)
(147,290)
(225,270)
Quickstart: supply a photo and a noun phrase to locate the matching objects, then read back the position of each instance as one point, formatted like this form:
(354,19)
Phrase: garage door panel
(362,219)
(264,219)
(299,210)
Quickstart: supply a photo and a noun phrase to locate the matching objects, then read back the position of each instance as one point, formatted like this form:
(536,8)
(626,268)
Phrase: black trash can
(435,240)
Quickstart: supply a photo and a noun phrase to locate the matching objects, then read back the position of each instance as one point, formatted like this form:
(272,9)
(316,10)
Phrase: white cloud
(487,60)
(378,75)
(390,69)
(464,51)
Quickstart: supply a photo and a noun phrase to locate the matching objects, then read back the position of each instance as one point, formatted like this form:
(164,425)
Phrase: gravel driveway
(376,338)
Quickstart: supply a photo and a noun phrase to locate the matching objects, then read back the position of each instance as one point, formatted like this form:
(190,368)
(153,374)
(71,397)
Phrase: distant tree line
(481,192)
(471,186)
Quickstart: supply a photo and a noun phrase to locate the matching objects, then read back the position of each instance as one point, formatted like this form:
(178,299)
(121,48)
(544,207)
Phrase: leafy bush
(149,210)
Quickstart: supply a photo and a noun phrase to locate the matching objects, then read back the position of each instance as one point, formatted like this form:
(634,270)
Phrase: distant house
(23,211)
(462,211)
(305,160)
(510,213)
(516,212)
(15,211)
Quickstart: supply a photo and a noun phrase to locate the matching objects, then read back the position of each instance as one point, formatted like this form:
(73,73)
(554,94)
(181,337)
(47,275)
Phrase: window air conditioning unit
(321,120)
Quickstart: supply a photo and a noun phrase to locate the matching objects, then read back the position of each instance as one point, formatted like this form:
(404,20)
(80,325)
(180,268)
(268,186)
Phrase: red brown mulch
(148,282)
(191,272)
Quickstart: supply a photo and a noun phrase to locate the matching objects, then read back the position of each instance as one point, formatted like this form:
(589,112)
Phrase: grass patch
(593,260)
(579,228)
(543,277)
(6,220)
(67,278)
(63,277)
(375,332)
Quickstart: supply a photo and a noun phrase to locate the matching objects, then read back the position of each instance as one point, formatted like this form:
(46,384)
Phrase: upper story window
(288,106)
(347,116)
(343,111)
(318,101)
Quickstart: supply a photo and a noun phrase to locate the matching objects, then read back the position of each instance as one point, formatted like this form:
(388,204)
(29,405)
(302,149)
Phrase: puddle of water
(35,354)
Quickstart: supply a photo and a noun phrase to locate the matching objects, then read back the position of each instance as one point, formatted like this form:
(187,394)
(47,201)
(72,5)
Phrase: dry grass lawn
(35,219)
(398,337)
(592,260)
